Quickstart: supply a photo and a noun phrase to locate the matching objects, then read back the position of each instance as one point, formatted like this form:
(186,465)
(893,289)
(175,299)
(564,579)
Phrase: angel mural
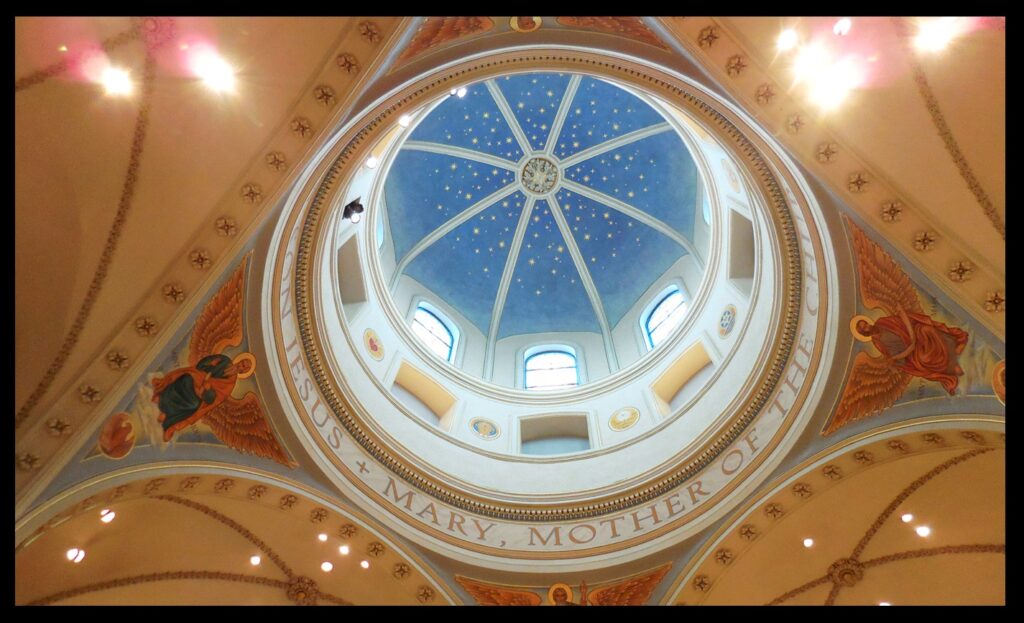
(633,591)
(203,390)
(909,342)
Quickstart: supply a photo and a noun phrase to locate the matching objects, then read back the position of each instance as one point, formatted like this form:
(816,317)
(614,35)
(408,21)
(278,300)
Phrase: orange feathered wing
(242,425)
(634,591)
(873,386)
(220,324)
(883,284)
(492,595)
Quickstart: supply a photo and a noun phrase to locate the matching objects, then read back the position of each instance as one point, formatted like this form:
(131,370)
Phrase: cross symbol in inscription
(362,467)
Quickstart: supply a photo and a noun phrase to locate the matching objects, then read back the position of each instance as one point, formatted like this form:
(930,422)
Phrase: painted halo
(570,595)
(853,327)
(246,356)
(525,26)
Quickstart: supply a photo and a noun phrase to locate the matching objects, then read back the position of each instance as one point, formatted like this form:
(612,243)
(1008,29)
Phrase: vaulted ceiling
(129,209)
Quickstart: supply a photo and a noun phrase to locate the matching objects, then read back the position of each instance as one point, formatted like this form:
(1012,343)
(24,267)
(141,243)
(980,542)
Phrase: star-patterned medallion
(541,202)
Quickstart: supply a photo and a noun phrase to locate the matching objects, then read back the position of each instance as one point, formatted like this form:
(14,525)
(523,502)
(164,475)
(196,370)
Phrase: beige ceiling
(886,122)
(964,505)
(202,531)
(72,146)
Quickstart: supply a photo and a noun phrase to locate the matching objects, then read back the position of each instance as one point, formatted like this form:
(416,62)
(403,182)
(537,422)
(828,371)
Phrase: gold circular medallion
(373,344)
(623,418)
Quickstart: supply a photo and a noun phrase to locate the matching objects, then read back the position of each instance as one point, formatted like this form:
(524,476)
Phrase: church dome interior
(510,310)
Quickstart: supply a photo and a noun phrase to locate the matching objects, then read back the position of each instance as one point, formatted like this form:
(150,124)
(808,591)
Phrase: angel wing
(874,385)
(241,425)
(220,324)
(634,591)
(882,282)
(493,595)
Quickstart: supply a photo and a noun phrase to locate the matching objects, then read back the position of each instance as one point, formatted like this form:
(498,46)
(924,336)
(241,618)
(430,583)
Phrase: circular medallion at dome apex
(543,204)
(539,175)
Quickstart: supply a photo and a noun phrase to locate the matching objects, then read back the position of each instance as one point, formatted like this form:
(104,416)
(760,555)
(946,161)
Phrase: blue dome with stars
(541,202)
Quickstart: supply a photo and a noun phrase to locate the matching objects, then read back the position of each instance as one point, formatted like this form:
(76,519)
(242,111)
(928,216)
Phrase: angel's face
(243,366)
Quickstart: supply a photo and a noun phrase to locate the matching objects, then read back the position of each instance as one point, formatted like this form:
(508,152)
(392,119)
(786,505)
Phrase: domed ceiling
(541,202)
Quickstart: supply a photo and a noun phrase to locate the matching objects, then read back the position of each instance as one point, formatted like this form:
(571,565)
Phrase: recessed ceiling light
(355,218)
(326,566)
(343,550)
(808,542)
(372,162)
(935,34)
(453,91)
(787,40)
(404,121)
(254,560)
(75,555)
(107,515)
(461,92)
(884,603)
(214,71)
(322,537)
(923,530)
(365,564)
(116,81)
(907,517)
(842,27)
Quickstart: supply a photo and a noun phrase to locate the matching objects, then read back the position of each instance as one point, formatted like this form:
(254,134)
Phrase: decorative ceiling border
(316,216)
(873,196)
(44,446)
(803,482)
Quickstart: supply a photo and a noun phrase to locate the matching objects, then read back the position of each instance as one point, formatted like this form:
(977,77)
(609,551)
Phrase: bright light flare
(326,567)
(254,561)
(343,550)
(212,69)
(923,530)
(833,83)
(461,92)
(404,121)
(811,62)
(808,542)
(787,40)
(842,27)
(116,81)
(365,564)
(372,162)
(907,518)
(322,537)
(935,34)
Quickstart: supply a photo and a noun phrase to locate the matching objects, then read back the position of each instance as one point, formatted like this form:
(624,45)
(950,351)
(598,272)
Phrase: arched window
(664,317)
(435,331)
(552,368)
